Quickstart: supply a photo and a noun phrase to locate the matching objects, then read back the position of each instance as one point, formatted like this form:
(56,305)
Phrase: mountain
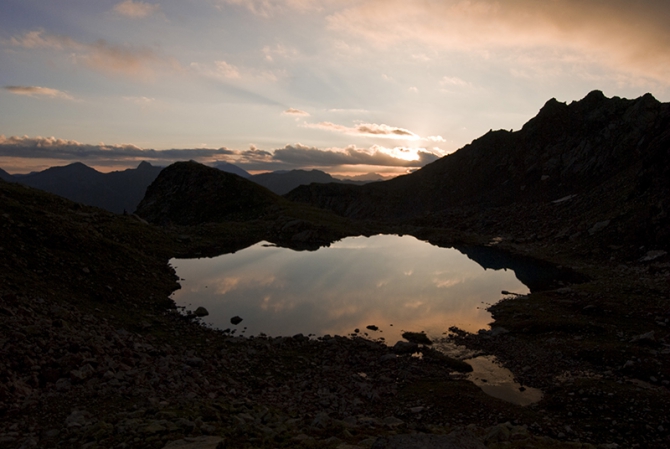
(189,193)
(367,177)
(6,176)
(597,160)
(283,181)
(117,191)
(231,168)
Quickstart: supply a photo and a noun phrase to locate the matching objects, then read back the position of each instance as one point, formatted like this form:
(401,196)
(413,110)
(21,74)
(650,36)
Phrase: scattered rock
(599,226)
(235,320)
(417,337)
(201,312)
(404,347)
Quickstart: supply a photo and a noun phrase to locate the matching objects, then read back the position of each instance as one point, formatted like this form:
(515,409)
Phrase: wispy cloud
(612,33)
(366,129)
(454,81)
(268,8)
(136,10)
(37,91)
(295,112)
(225,71)
(279,51)
(100,55)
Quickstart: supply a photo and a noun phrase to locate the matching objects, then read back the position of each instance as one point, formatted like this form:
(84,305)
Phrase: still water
(397,283)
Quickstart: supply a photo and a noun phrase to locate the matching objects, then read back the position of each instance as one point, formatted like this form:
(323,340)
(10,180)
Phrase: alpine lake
(375,287)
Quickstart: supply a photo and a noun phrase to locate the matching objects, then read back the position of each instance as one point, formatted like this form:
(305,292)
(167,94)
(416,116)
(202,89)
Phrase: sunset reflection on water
(394,282)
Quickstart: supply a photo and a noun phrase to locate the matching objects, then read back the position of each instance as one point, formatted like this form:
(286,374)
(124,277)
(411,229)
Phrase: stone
(77,418)
(321,420)
(644,338)
(599,226)
(393,422)
(235,320)
(201,312)
(404,347)
(653,255)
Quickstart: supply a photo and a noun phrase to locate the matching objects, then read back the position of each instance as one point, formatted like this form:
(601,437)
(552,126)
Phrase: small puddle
(497,381)
(489,375)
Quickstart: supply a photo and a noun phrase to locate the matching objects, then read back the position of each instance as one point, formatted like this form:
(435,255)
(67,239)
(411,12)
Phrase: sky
(344,86)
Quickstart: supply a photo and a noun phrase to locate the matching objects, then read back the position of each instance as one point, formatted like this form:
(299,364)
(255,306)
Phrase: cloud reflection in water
(383,280)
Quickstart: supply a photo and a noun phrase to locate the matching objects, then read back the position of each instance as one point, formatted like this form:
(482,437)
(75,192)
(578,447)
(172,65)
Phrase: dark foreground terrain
(94,354)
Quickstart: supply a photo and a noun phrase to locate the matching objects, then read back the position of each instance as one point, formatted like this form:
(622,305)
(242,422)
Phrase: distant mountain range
(116,191)
(121,191)
(283,182)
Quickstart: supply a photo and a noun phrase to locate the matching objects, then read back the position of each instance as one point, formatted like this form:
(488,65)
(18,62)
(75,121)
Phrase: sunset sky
(346,86)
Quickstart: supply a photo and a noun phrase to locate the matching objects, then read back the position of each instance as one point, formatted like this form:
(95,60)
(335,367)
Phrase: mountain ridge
(565,150)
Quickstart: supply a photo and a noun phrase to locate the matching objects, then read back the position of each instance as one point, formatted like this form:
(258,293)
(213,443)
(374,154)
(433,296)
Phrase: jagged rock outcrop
(189,193)
(609,152)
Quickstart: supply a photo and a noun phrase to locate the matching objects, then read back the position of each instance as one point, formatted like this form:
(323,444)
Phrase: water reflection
(396,283)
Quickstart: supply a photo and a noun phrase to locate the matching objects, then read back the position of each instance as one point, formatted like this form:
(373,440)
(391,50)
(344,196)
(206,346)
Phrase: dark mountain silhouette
(367,177)
(232,168)
(282,182)
(6,176)
(115,191)
(188,193)
(593,161)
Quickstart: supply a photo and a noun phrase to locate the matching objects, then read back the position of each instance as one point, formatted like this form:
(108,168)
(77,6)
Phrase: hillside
(591,161)
(189,193)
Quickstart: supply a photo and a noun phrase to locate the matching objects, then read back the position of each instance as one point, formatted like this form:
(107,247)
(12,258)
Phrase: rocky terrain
(94,354)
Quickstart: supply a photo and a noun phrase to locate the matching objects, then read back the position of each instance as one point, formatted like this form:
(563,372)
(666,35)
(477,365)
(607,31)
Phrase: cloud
(268,8)
(279,51)
(136,10)
(613,33)
(36,91)
(304,156)
(454,81)
(71,150)
(350,111)
(100,55)
(288,157)
(37,39)
(367,129)
(295,112)
(224,71)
